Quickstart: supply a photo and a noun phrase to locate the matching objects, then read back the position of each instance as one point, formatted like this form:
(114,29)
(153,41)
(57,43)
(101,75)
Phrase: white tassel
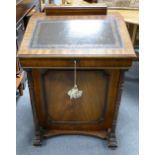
(74,93)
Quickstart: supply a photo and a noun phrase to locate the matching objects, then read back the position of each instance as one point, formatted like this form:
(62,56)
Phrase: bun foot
(37,140)
(112,142)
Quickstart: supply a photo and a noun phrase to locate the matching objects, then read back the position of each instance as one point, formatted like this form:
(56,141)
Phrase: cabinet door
(93,110)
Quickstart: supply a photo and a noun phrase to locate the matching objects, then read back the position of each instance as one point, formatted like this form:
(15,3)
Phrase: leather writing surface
(75,34)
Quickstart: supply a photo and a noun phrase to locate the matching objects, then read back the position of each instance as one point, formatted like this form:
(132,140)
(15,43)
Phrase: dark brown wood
(75,10)
(64,122)
(112,142)
(38,134)
(99,134)
(62,63)
(68,111)
(91,1)
(99,75)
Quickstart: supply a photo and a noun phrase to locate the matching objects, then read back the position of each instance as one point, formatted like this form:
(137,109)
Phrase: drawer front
(69,63)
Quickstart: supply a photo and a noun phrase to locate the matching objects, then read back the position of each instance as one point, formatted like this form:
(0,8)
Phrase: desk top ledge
(91,36)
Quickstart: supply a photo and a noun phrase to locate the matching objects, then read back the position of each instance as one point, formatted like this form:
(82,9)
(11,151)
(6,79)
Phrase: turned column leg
(37,141)
(112,141)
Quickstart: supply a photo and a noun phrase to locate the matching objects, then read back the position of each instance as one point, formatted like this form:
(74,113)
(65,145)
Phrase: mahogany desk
(102,49)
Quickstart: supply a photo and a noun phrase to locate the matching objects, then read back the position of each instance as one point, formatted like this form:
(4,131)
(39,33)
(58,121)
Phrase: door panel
(89,108)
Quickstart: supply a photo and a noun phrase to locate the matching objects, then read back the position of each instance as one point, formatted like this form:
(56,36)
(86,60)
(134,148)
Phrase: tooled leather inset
(76,34)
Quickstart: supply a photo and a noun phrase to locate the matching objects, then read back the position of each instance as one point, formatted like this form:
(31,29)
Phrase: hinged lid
(90,36)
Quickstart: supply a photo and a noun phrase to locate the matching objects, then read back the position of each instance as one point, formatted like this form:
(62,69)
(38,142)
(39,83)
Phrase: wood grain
(99,75)
(75,10)
(96,63)
(88,109)
(126,52)
(100,134)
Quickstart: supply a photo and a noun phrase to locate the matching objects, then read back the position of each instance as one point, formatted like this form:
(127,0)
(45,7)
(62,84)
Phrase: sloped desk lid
(76,36)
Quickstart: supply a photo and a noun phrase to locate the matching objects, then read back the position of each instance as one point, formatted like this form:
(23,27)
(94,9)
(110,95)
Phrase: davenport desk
(75,67)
